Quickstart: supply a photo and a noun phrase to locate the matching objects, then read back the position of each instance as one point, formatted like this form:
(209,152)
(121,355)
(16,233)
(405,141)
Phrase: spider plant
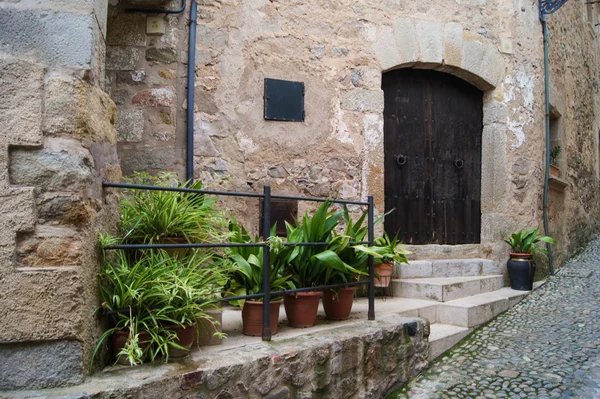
(152,215)
(527,241)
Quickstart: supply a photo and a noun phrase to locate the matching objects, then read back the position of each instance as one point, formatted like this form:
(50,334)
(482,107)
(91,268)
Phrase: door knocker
(400,159)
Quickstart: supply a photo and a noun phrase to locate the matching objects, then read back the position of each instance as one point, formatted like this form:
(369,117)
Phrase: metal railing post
(371,239)
(266,334)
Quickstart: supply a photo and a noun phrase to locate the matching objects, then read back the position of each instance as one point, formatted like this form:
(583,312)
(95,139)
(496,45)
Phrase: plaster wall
(57,143)
(339,49)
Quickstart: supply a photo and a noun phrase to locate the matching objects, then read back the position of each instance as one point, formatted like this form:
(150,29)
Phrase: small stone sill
(557,184)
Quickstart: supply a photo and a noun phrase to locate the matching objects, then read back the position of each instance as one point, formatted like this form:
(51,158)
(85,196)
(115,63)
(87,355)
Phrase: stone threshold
(331,358)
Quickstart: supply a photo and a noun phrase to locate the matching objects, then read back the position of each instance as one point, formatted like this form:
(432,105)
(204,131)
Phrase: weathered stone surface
(56,38)
(120,58)
(20,101)
(51,247)
(453,42)
(429,36)
(62,165)
(127,29)
(156,159)
(129,125)
(75,107)
(385,48)
(472,56)
(362,100)
(406,40)
(158,97)
(40,364)
(494,112)
(164,55)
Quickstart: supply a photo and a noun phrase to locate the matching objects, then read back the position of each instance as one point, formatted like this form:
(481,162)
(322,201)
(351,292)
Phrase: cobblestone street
(544,347)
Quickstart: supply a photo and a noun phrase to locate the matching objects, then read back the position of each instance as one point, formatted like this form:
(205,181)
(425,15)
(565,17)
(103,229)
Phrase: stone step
(445,289)
(475,310)
(447,268)
(443,337)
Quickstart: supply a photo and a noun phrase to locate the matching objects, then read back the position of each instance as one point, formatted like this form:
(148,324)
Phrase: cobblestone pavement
(545,347)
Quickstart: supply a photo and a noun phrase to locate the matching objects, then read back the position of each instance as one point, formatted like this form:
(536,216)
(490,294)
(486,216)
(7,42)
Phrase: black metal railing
(266,196)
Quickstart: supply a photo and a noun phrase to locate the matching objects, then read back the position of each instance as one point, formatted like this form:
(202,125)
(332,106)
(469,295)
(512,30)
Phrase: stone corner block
(429,35)
(20,101)
(385,48)
(492,65)
(495,112)
(362,100)
(472,57)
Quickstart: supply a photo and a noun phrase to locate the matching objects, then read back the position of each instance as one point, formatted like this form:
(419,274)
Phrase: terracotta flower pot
(207,330)
(521,270)
(185,337)
(301,308)
(119,339)
(338,307)
(252,317)
(384,271)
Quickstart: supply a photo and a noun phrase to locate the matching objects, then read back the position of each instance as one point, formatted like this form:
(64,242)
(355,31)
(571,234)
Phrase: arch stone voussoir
(444,47)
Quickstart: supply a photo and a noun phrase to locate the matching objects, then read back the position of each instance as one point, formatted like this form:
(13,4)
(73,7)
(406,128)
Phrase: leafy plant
(385,250)
(554,153)
(527,241)
(312,266)
(247,275)
(151,215)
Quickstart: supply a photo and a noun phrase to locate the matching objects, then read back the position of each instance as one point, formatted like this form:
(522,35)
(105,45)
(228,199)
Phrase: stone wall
(339,50)
(57,141)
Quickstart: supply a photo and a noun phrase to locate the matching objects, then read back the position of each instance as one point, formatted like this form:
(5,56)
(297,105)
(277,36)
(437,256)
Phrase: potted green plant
(247,277)
(169,217)
(525,244)
(386,252)
(554,154)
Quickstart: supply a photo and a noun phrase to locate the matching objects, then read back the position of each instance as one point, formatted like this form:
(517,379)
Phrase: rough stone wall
(574,78)
(57,141)
(339,49)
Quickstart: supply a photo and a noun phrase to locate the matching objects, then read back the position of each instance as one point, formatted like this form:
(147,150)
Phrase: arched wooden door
(432,136)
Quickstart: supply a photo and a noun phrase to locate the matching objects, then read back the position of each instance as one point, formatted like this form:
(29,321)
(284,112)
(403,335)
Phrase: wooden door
(432,136)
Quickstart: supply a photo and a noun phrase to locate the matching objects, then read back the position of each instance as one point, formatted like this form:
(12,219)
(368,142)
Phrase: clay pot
(207,330)
(384,271)
(301,308)
(521,270)
(185,337)
(119,339)
(252,317)
(338,307)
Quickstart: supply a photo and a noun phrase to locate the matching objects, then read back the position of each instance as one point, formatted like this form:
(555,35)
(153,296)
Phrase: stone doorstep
(447,268)
(443,337)
(204,370)
(445,289)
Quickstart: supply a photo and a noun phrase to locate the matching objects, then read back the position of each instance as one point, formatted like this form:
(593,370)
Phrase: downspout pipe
(189,172)
(547,175)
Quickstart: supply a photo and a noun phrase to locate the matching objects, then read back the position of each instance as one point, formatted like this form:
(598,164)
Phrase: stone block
(494,170)
(18,208)
(414,269)
(385,48)
(460,290)
(362,100)
(164,55)
(129,125)
(121,58)
(154,159)
(75,107)
(157,97)
(492,66)
(50,247)
(406,40)
(489,267)
(20,101)
(56,38)
(494,112)
(472,57)
(456,268)
(62,165)
(453,44)
(127,29)
(37,365)
(429,36)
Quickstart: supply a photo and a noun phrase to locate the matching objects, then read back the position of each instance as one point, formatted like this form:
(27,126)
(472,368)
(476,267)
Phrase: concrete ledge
(365,359)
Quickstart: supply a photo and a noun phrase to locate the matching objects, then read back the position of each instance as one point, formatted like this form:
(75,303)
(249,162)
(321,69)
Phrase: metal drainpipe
(189,172)
(547,175)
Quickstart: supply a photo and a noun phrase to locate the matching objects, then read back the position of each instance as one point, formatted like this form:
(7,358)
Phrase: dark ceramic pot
(521,269)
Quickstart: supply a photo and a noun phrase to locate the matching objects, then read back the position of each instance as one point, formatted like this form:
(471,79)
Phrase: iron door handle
(459,163)
(401,159)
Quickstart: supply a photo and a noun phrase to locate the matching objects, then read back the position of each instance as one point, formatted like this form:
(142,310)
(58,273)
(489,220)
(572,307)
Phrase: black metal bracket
(548,7)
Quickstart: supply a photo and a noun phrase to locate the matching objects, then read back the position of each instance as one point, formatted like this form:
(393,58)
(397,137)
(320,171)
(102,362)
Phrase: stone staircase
(456,296)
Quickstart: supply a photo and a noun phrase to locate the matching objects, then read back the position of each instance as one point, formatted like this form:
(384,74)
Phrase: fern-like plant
(527,241)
